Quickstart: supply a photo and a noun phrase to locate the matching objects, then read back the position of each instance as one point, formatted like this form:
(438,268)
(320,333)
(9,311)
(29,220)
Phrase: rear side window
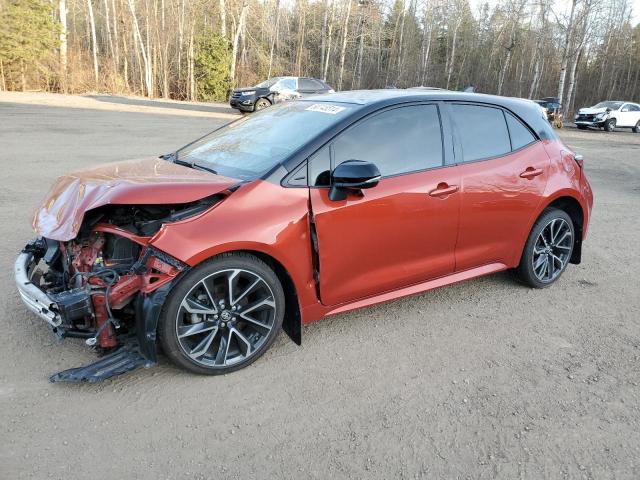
(306,84)
(400,140)
(482,130)
(287,84)
(520,135)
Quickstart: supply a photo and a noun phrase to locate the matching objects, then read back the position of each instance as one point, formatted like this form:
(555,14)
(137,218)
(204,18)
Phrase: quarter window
(482,130)
(320,168)
(401,140)
(520,135)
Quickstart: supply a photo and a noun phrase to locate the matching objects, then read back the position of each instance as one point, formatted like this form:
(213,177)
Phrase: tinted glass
(251,146)
(268,83)
(287,84)
(520,135)
(634,108)
(482,130)
(306,84)
(400,140)
(320,168)
(318,84)
(611,105)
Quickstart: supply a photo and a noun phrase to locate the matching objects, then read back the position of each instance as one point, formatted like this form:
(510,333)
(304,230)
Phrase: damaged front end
(107,285)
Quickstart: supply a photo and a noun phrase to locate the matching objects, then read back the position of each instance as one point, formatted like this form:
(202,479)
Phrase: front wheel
(223,315)
(548,249)
(261,104)
(610,125)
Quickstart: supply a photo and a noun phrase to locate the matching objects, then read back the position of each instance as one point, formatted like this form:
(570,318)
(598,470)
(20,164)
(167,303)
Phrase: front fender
(261,217)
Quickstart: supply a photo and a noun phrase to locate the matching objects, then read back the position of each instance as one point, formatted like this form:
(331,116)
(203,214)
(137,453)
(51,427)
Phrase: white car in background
(610,115)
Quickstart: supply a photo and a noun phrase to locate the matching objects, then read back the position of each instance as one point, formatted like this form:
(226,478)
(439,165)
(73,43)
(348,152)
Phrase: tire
(610,125)
(206,330)
(548,250)
(636,129)
(581,127)
(261,104)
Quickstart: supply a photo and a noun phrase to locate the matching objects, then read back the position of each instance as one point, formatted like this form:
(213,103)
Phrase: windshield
(611,105)
(268,83)
(249,147)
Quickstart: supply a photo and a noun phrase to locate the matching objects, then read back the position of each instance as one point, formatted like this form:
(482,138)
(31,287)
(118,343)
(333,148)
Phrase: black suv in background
(276,89)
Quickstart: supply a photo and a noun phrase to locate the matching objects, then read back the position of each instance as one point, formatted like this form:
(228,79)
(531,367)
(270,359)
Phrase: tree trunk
(572,79)
(94,43)
(343,53)
(536,75)
(143,52)
(565,53)
(236,41)
(4,83)
(115,33)
(192,81)
(323,33)
(360,52)
(62,7)
(426,51)
(301,33)
(325,68)
(109,38)
(453,52)
(223,19)
(274,38)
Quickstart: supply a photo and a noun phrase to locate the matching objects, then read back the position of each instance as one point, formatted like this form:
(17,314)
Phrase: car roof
(388,95)
(370,100)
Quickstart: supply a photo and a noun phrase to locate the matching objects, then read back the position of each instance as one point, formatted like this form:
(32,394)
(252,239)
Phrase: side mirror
(352,175)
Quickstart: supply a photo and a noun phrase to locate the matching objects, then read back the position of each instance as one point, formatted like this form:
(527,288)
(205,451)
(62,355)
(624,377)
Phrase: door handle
(531,172)
(443,189)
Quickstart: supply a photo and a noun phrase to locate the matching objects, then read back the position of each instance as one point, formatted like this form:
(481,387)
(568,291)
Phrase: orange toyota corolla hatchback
(307,209)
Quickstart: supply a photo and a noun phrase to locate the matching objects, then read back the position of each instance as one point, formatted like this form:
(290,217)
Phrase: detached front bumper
(35,299)
(590,123)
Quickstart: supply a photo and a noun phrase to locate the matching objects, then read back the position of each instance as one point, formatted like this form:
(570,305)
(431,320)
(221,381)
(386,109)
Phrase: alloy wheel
(225,318)
(552,250)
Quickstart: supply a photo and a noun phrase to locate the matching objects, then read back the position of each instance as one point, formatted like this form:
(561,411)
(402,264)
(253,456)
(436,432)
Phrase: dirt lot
(485,379)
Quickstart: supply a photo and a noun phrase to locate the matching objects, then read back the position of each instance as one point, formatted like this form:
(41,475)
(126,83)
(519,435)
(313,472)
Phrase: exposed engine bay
(108,284)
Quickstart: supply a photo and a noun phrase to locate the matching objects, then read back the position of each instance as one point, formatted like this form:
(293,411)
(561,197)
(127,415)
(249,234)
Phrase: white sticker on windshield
(325,108)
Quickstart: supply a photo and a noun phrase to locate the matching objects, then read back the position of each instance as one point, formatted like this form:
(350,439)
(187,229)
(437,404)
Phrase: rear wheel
(223,315)
(636,129)
(610,125)
(548,249)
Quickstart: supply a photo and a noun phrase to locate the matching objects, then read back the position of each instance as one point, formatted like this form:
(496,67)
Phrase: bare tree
(94,43)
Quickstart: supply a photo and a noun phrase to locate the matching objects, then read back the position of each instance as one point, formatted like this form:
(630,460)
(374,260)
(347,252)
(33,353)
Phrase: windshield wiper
(202,167)
(173,158)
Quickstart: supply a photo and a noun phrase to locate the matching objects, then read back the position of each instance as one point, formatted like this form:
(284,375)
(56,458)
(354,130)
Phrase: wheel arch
(292,323)
(572,207)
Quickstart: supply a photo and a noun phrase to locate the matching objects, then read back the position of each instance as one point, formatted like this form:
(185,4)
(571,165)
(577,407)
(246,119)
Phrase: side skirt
(419,287)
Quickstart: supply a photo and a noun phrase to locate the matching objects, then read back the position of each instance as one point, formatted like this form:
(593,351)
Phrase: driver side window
(398,141)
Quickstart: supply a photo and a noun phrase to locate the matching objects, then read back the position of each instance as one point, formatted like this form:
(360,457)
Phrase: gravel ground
(485,379)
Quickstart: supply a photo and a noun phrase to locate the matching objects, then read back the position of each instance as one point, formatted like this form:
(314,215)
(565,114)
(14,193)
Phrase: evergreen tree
(28,38)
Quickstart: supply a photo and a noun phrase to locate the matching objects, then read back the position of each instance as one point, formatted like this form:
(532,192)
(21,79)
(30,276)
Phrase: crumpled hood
(133,182)
(592,110)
